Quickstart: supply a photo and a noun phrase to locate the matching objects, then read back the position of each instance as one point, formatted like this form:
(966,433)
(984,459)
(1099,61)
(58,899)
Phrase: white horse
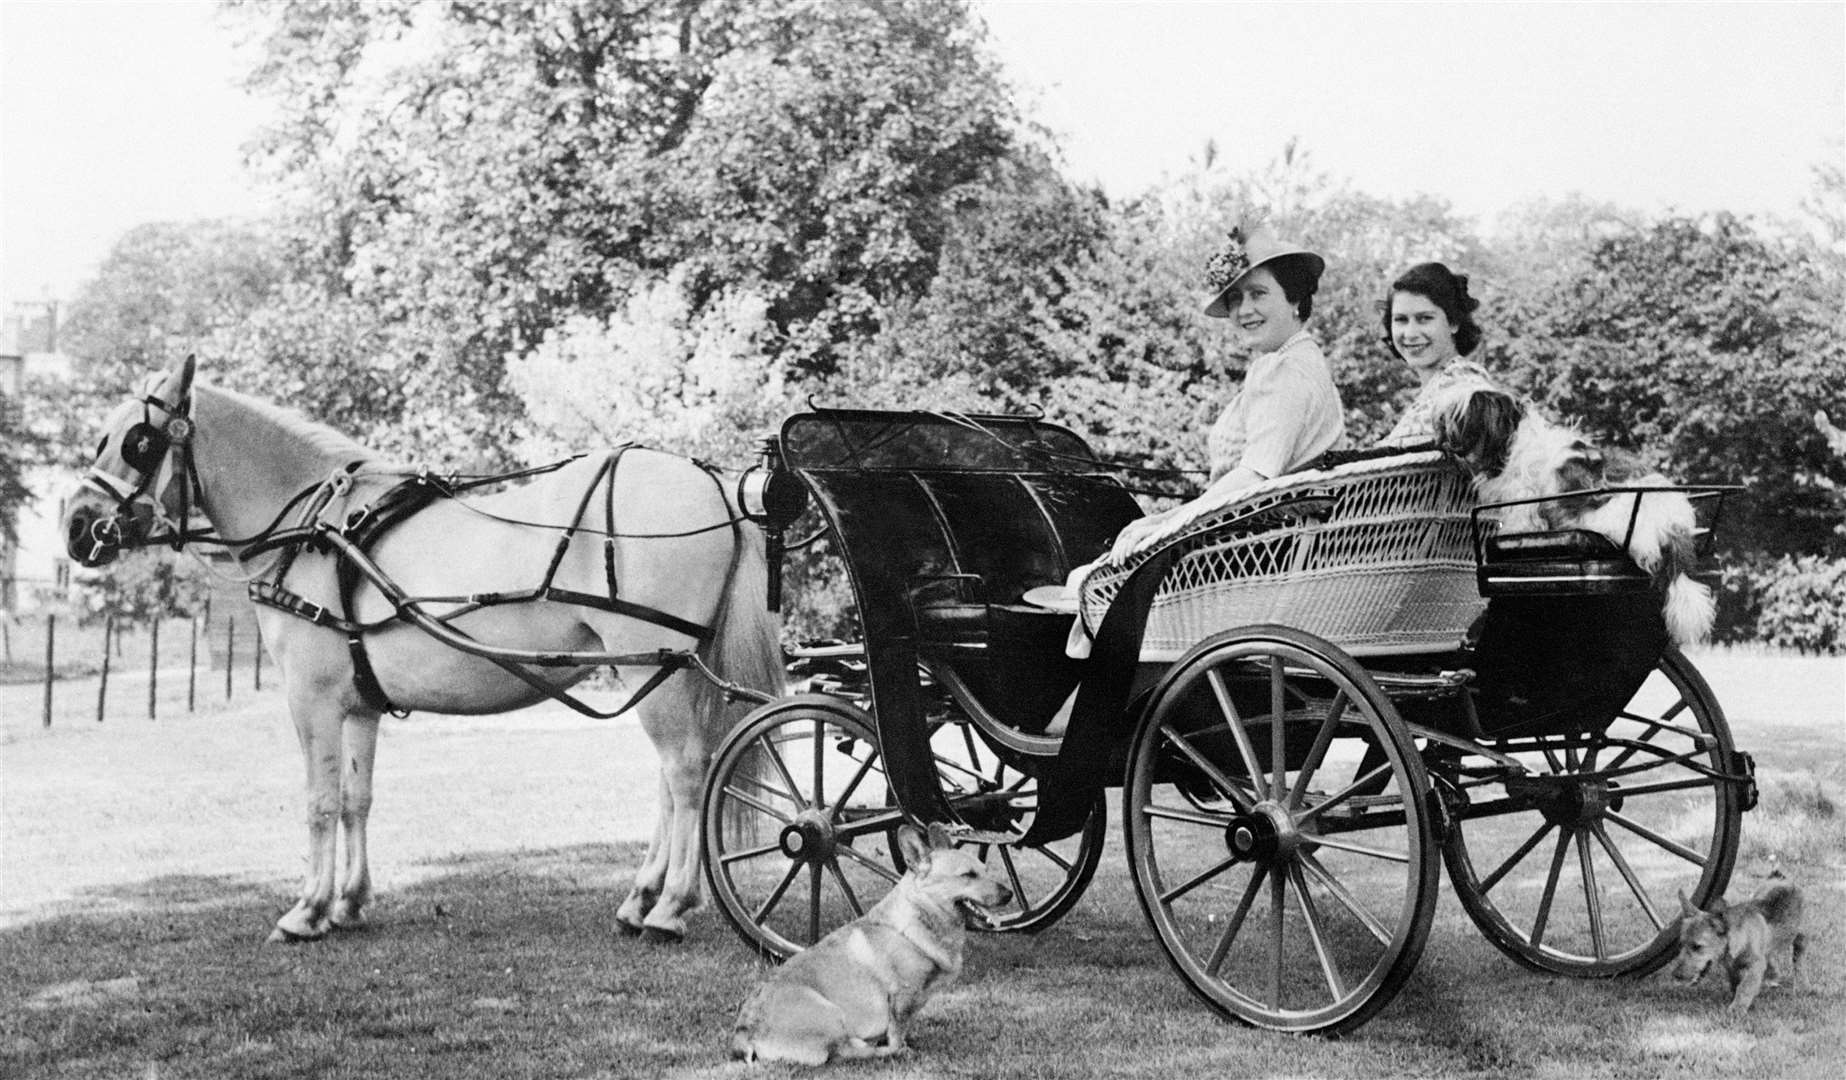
(518,573)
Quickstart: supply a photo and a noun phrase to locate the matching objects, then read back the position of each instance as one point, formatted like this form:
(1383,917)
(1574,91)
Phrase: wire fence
(65,669)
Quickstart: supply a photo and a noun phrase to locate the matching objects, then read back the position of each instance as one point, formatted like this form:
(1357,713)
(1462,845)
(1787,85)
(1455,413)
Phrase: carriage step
(964,835)
(1440,685)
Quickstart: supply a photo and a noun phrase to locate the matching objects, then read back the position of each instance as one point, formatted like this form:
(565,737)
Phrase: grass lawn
(141,864)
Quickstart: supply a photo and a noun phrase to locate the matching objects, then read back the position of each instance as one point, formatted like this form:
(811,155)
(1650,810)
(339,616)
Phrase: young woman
(1288,412)
(1429,323)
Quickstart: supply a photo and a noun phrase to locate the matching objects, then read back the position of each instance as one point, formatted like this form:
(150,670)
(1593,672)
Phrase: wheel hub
(1262,835)
(809,838)
(1569,802)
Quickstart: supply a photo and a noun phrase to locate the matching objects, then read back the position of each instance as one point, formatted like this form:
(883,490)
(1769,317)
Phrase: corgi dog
(1514,453)
(854,992)
(1748,941)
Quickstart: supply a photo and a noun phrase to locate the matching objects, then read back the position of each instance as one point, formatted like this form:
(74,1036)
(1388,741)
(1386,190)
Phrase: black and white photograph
(922,539)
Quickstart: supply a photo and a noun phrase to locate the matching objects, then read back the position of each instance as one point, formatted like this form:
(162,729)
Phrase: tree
(21,448)
(1145,372)
(164,290)
(1705,347)
(522,165)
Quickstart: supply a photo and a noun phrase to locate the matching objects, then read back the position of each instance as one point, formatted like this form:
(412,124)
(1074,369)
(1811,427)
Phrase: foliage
(1639,345)
(164,290)
(1803,605)
(21,448)
(477,176)
(1147,371)
(1794,602)
(653,373)
(143,584)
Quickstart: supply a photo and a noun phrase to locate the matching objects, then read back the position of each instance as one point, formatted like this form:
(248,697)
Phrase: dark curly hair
(1299,280)
(1445,289)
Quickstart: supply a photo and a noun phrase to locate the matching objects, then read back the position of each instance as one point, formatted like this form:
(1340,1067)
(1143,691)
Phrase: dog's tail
(1659,527)
(1690,610)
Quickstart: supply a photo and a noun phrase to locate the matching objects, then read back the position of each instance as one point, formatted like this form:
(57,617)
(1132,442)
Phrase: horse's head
(138,489)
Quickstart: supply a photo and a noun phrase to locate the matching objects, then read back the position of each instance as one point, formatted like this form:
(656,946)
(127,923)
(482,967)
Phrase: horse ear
(178,383)
(1685,905)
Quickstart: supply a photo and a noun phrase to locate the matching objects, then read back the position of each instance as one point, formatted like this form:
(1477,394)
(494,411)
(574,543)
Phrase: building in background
(34,569)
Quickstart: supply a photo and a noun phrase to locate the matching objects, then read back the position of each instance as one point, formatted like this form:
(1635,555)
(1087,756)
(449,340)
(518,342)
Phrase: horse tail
(746,645)
(746,649)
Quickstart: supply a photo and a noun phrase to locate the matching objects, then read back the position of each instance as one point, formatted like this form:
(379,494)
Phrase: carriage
(1299,711)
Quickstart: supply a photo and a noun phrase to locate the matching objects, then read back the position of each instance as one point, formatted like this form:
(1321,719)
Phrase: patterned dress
(1418,424)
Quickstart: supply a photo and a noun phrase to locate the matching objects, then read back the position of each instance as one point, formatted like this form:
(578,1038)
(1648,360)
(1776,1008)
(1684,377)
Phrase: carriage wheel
(799,827)
(1288,869)
(1574,868)
(994,798)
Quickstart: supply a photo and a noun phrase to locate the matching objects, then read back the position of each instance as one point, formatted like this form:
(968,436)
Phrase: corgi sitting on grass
(853,993)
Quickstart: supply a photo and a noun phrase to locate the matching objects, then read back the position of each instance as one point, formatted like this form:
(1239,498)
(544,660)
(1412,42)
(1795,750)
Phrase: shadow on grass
(500,965)
(508,965)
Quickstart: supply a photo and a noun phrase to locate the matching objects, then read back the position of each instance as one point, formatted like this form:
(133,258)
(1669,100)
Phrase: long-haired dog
(1514,453)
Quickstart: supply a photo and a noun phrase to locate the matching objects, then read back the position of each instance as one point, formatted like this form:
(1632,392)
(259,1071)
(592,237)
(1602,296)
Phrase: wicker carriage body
(1375,556)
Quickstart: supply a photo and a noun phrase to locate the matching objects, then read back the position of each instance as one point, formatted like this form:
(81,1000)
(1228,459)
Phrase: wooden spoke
(1198,879)
(1278,756)
(1234,924)
(1329,966)
(756,804)
(1347,900)
(1488,882)
(1592,899)
(1551,887)
(1643,831)
(1238,734)
(761,914)
(1635,887)
(1323,740)
(1234,791)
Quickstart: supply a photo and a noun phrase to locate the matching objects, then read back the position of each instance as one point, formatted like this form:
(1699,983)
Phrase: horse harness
(349,540)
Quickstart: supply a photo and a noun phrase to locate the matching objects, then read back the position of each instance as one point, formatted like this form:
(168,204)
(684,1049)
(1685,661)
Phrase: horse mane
(316,435)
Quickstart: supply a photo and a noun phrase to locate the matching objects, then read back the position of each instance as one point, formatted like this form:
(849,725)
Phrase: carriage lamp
(772,496)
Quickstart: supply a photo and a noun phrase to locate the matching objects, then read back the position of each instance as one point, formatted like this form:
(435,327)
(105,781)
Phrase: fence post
(192,664)
(51,661)
(153,664)
(102,684)
(230,651)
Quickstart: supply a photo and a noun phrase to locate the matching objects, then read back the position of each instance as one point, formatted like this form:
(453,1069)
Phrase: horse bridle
(157,448)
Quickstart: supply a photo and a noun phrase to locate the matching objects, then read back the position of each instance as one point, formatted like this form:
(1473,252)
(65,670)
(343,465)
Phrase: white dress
(1287,414)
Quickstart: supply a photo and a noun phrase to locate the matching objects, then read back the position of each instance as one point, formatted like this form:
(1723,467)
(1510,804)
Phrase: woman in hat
(1429,323)
(1288,412)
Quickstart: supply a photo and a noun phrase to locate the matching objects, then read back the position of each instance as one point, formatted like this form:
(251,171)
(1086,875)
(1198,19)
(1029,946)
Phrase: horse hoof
(279,936)
(655,935)
(627,929)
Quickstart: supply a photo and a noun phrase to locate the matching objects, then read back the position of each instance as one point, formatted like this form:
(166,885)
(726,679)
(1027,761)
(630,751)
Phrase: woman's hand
(1143,533)
(1131,539)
